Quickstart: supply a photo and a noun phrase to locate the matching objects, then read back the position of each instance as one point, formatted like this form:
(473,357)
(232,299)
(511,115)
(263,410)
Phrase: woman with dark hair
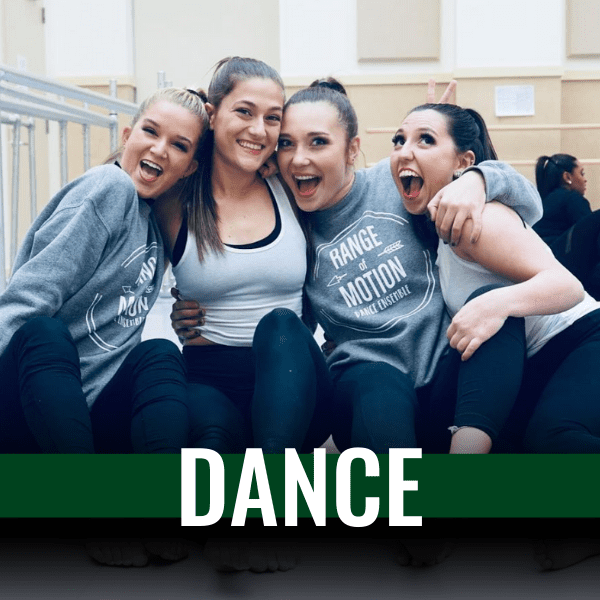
(432,143)
(372,283)
(380,366)
(568,225)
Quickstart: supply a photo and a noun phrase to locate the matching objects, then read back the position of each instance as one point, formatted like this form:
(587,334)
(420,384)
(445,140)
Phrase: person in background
(568,225)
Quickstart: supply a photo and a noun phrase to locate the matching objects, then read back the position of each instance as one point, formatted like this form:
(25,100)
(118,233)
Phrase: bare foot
(258,556)
(134,553)
(558,554)
(424,553)
(167,549)
(118,553)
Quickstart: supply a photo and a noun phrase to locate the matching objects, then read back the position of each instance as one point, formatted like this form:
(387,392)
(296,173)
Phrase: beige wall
(23,36)
(580,105)
(200,34)
(99,136)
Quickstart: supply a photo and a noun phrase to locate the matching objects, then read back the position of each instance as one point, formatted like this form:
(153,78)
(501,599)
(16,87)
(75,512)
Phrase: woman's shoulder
(98,183)
(105,191)
(104,176)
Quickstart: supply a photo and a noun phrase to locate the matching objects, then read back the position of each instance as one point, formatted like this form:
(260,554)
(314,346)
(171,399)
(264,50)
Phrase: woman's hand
(475,323)
(185,316)
(270,168)
(446,96)
(455,204)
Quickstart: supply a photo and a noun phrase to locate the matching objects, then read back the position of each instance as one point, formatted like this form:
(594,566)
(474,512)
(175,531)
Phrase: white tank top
(459,278)
(240,286)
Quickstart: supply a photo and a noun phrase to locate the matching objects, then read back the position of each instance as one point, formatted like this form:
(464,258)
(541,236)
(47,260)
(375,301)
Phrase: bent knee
(45,332)
(278,322)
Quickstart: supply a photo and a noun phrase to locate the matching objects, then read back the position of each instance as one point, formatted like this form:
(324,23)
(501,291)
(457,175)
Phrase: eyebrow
(420,130)
(157,125)
(310,133)
(253,105)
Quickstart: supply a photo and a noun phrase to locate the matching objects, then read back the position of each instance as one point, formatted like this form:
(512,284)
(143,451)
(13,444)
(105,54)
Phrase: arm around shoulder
(507,186)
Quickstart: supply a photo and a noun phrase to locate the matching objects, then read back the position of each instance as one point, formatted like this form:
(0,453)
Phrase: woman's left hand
(455,204)
(475,323)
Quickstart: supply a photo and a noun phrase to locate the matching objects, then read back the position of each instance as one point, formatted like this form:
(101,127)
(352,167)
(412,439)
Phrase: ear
(466,159)
(566,177)
(126,133)
(191,169)
(353,150)
(211,111)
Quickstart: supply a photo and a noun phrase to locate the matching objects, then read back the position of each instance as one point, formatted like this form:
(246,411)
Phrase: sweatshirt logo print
(133,302)
(366,266)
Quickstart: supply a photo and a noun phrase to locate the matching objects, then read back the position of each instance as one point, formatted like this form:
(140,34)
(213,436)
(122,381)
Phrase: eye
(283,143)
(149,130)
(319,141)
(243,111)
(274,118)
(181,146)
(427,139)
(398,140)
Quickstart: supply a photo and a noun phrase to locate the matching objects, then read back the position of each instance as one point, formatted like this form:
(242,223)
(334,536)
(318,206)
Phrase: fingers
(446,96)
(448,92)
(472,346)
(465,346)
(175,293)
(477,226)
(431,91)
(433,206)
(456,228)
(186,316)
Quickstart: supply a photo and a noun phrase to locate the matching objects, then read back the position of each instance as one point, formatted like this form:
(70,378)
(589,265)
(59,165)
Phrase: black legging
(578,249)
(562,390)
(273,395)
(43,408)
(377,406)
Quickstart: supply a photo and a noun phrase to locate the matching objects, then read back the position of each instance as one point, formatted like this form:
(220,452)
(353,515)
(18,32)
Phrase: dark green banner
(84,486)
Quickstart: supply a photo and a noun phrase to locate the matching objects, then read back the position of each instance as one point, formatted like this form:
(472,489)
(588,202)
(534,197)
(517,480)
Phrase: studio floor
(349,569)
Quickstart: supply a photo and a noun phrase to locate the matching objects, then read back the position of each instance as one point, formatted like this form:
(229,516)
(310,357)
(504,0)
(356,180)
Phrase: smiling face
(424,158)
(314,155)
(159,149)
(247,123)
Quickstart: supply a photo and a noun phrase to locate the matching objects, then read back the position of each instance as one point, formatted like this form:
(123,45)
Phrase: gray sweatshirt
(374,285)
(93,258)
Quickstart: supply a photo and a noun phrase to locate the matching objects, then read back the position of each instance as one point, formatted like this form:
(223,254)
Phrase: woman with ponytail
(568,225)
(560,385)
(256,376)
(372,283)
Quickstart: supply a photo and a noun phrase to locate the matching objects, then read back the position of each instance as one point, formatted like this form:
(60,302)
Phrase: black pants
(377,406)
(273,396)
(561,392)
(43,408)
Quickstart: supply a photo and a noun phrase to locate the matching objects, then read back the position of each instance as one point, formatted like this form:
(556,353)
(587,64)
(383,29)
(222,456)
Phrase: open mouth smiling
(306,184)
(411,183)
(151,170)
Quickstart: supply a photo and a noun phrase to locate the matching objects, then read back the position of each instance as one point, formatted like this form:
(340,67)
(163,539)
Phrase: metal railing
(24,98)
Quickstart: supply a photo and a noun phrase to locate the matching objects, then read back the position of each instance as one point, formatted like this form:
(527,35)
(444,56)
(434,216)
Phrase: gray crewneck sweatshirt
(93,258)
(374,285)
